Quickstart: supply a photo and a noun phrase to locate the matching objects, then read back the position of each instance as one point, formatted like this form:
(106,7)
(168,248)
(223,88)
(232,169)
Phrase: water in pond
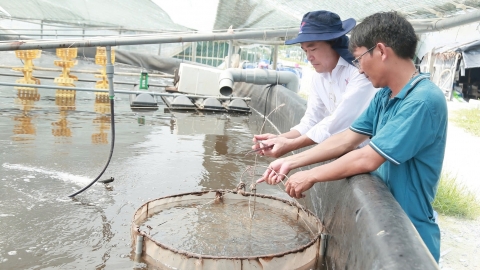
(49,150)
(227,229)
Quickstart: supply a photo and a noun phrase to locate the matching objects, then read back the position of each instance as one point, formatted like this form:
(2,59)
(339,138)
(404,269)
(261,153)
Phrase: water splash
(66,177)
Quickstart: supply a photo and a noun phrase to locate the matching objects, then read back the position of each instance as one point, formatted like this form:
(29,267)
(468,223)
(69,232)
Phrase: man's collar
(342,62)
(411,84)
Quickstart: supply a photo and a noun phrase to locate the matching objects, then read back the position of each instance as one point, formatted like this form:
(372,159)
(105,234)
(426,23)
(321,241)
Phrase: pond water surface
(51,147)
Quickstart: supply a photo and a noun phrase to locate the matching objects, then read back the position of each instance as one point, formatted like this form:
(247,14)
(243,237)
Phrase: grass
(455,199)
(468,119)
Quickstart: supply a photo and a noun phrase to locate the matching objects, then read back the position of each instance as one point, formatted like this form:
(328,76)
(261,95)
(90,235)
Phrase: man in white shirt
(339,92)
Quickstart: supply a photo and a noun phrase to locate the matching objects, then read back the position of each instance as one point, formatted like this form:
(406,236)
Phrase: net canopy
(210,15)
(138,14)
(269,13)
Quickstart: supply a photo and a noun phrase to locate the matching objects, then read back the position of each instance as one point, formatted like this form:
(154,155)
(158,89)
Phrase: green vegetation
(303,95)
(455,199)
(457,96)
(468,119)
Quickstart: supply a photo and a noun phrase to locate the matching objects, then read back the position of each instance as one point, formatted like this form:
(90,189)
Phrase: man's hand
(299,183)
(263,137)
(259,141)
(276,172)
(281,145)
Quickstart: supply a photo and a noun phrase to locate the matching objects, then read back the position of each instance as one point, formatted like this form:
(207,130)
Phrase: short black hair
(333,41)
(390,28)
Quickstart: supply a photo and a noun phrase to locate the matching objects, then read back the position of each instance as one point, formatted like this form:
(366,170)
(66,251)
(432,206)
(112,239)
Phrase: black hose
(112,121)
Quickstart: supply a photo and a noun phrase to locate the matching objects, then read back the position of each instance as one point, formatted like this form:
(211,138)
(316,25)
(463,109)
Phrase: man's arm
(294,139)
(292,134)
(283,143)
(356,98)
(355,162)
(333,147)
(316,125)
(280,142)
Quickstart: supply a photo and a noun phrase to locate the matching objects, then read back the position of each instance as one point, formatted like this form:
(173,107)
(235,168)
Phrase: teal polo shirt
(410,132)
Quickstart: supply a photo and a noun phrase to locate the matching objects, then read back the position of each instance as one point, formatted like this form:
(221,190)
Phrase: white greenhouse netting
(216,14)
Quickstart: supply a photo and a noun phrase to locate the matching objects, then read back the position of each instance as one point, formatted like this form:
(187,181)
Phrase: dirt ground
(460,244)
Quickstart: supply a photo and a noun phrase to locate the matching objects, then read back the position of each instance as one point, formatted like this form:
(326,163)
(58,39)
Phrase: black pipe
(112,121)
(109,71)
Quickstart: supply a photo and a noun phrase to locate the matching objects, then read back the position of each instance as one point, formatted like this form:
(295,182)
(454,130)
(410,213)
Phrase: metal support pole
(443,24)
(223,51)
(159,49)
(201,52)
(230,51)
(145,39)
(41,29)
(208,48)
(194,52)
(235,51)
(275,57)
(432,63)
(323,244)
(85,80)
(452,74)
(214,56)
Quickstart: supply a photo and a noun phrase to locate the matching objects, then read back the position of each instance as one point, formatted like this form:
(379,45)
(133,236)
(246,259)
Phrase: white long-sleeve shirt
(335,101)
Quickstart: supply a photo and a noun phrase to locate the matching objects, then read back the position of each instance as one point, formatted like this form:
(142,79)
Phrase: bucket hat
(322,25)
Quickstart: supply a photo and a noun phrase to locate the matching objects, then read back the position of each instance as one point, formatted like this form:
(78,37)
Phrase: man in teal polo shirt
(406,121)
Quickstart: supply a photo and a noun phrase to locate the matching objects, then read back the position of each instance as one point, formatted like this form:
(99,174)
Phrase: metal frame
(142,39)
(117,91)
(135,40)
